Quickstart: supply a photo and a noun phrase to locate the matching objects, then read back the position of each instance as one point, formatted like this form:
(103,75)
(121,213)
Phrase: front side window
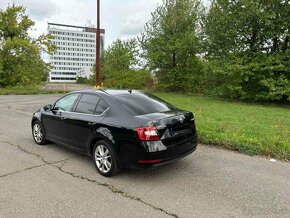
(87,104)
(66,103)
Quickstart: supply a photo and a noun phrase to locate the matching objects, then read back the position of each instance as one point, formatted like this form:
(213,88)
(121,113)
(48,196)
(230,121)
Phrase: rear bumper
(166,161)
(131,159)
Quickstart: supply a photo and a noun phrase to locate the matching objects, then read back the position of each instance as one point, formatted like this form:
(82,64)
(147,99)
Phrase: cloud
(37,9)
(136,15)
(41,9)
(121,18)
(133,25)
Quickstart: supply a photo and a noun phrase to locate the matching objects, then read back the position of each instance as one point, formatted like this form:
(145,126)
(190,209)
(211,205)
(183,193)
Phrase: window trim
(96,115)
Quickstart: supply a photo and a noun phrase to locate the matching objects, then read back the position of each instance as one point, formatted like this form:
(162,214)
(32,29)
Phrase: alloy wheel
(103,158)
(37,133)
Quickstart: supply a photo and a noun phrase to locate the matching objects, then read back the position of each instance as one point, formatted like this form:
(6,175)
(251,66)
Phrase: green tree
(120,66)
(119,58)
(20,55)
(247,46)
(247,26)
(171,44)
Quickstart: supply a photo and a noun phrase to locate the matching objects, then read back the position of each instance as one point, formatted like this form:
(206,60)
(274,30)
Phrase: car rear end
(174,137)
(163,133)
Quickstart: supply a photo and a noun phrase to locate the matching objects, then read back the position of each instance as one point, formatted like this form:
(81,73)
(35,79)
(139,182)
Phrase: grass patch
(252,129)
(28,91)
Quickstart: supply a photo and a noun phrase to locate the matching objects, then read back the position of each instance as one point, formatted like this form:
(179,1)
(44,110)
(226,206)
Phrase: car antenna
(130,91)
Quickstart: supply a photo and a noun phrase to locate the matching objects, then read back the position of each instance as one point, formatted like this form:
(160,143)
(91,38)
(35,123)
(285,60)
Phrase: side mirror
(56,109)
(47,107)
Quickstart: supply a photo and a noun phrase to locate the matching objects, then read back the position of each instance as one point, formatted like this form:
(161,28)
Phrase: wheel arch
(98,138)
(36,117)
(33,120)
(93,142)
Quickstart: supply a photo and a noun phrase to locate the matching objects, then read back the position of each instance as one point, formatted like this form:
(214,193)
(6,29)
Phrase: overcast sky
(121,18)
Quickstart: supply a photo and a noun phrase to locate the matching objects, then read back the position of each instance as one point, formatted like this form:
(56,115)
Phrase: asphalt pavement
(51,181)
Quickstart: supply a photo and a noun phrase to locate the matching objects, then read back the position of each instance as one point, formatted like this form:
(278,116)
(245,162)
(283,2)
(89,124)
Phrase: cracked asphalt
(51,181)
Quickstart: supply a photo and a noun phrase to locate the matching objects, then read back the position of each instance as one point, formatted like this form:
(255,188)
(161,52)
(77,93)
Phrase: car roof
(111,92)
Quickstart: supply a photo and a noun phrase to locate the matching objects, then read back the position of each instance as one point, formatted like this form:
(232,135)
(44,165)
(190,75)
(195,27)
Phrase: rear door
(84,120)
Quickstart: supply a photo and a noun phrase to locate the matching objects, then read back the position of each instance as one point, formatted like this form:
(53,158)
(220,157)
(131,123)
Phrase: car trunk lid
(174,127)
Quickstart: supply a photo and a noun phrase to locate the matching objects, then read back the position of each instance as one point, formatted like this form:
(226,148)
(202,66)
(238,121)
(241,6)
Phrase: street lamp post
(98,47)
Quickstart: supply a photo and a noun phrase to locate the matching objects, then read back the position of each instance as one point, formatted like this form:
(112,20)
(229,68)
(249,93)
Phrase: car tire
(105,159)
(38,133)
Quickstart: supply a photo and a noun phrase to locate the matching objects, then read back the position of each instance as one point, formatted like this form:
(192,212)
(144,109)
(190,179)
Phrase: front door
(54,121)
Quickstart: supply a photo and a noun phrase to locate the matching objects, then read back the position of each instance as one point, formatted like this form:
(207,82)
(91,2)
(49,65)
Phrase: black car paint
(81,131)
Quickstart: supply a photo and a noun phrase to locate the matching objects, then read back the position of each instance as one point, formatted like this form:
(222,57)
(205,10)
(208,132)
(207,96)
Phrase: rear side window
(102,107)
(140,104)
(87,104)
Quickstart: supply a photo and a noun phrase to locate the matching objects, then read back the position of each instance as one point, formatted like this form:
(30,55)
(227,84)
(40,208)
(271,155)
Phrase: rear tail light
(148,133)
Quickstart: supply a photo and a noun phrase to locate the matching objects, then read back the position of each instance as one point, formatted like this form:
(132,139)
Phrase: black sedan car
(118,128)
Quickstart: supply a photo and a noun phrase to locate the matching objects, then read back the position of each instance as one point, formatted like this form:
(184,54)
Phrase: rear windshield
(140,104)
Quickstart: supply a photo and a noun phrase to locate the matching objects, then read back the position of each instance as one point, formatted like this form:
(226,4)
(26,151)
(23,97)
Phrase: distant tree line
(232,48)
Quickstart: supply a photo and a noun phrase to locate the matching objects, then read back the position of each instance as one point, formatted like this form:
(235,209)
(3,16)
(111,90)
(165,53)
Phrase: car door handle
(91,123)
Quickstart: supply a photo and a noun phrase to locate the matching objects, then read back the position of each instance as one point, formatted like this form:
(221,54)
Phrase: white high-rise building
(76,51)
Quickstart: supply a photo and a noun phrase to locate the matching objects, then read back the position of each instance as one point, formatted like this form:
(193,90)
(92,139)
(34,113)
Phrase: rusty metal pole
(98,47)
